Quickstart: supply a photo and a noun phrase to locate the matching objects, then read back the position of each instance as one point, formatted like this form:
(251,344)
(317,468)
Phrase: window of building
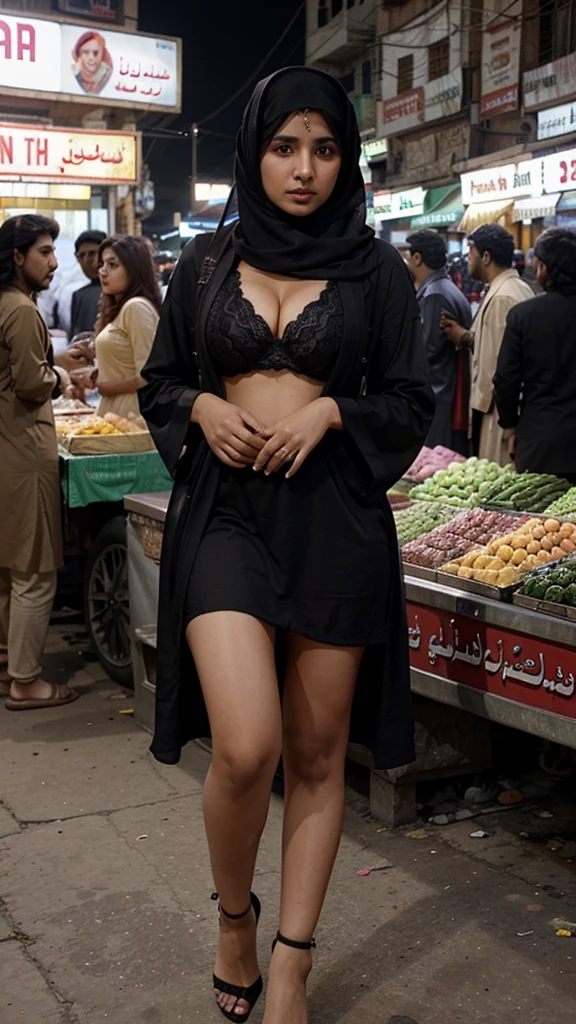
(405,73)
(350,4)
(323,13)
(438,59)
(367,78)
(557,29)
(348,81)
(336,7)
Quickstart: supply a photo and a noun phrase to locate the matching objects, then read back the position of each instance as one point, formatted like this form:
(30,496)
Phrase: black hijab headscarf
(334,243)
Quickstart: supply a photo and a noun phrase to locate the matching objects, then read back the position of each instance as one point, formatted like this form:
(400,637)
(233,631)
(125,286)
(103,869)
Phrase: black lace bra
(240,341)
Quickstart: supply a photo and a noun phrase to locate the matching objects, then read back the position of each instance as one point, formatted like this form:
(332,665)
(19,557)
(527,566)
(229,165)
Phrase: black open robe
(381,384)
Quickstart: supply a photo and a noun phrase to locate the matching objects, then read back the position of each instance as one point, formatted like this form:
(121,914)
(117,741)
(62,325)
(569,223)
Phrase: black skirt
(301,554)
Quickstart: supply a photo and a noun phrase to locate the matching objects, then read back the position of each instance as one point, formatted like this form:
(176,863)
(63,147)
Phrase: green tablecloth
(90,478)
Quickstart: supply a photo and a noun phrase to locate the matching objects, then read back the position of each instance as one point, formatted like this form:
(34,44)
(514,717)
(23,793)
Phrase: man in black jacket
(535,381)
(85,300)
(437,294)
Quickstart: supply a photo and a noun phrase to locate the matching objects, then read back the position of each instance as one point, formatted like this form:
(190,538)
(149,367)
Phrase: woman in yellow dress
(127,322)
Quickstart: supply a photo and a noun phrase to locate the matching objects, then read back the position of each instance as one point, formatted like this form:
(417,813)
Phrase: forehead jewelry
(306,120)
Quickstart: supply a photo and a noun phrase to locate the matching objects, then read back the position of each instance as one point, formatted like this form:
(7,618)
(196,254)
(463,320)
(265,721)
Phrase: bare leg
(234,655)
(316,714)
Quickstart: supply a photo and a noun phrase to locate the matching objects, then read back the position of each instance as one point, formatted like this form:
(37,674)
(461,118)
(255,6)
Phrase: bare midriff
(271,395)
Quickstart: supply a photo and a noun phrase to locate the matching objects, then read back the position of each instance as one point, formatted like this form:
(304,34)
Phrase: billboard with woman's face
(72,60)
(118,65)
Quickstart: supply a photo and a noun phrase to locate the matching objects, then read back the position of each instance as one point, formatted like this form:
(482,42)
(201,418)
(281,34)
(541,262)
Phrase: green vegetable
(570,595)
(554,594)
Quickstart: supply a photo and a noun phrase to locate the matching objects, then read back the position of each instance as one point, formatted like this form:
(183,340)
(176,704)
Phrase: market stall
(490,576)
(98,469)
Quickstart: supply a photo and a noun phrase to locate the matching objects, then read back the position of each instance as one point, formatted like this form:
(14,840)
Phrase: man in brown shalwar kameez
(30,527)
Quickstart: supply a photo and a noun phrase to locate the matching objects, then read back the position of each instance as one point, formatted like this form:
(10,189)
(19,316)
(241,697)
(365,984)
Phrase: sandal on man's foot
(60,695)
(251,994)
(5,682)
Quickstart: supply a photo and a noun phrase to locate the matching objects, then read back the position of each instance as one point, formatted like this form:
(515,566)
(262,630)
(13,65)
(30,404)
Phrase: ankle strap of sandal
(295,945)
(231,917)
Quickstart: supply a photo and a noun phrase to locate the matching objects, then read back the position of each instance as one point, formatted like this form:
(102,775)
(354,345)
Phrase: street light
(195,133)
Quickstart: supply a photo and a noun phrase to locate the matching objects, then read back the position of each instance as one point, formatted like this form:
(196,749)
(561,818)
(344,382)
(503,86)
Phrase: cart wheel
(106,601)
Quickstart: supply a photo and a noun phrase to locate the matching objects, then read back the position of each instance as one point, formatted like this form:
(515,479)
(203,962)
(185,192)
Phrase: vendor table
(87,479)
(497,660)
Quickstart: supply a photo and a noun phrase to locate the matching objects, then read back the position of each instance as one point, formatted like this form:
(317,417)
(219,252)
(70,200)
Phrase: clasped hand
(238,439)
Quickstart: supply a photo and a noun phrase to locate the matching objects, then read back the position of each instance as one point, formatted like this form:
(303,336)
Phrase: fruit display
(471,529)
(525,492)
(86,426)
(507,559)
(462,484)
(94,426)
(553,583)
(420,518)
(564,506)
(430,460)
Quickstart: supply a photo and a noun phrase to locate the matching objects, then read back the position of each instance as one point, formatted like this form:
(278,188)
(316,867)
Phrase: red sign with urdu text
(521,668)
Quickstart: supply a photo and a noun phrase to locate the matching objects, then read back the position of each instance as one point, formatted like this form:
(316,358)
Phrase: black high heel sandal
(290,942)
(251,994)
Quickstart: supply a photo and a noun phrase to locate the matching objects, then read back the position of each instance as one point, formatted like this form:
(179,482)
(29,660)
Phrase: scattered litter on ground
(125,711)
(522,935)
(555,845)
(138,838)
(382,865)
(417,833)
(479,834)
(510,797)
(563,933)
(480,794)
(538,813)
(561,924)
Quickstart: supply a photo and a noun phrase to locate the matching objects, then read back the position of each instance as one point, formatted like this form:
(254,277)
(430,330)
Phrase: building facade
(77,80)
(471,114)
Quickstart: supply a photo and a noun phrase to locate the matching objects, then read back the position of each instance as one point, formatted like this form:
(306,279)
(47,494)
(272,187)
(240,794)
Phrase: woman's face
(114,277)
(300,167)
(90,56)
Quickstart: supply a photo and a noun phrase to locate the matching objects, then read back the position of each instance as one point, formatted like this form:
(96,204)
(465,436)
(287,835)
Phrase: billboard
(550,82)
(501,60)
(63,154)
(76,61)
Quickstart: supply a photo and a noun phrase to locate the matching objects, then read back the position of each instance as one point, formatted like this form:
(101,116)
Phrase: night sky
(223,42)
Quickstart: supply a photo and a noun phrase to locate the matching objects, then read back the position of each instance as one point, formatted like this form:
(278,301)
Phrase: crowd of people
(289,379)
(119,307)
(508,376)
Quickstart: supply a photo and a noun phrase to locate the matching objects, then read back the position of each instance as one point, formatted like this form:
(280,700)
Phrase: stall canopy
(567,202)
(536,209)
(484,213)
(442,207)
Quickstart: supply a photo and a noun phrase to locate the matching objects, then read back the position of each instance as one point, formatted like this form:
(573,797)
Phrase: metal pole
(194,166)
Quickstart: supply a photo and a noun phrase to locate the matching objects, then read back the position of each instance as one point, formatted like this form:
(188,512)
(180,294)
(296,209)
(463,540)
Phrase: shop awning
(442,206)
(567,202)
(484,213)
(536,209)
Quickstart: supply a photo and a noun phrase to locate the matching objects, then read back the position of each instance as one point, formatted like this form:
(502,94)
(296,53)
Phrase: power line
(255,73)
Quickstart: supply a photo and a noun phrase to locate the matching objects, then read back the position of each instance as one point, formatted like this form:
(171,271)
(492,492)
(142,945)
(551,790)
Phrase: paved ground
(104,893)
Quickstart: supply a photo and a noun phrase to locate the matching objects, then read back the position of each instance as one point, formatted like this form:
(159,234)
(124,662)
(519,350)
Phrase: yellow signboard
(60,154)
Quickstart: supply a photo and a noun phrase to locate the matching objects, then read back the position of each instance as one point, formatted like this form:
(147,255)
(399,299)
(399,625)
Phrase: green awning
(442,206)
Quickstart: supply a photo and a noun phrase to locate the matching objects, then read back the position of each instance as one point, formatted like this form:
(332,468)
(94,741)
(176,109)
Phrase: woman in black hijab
(287,390)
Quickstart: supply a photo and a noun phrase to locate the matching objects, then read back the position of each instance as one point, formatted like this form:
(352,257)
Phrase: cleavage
(321,287)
